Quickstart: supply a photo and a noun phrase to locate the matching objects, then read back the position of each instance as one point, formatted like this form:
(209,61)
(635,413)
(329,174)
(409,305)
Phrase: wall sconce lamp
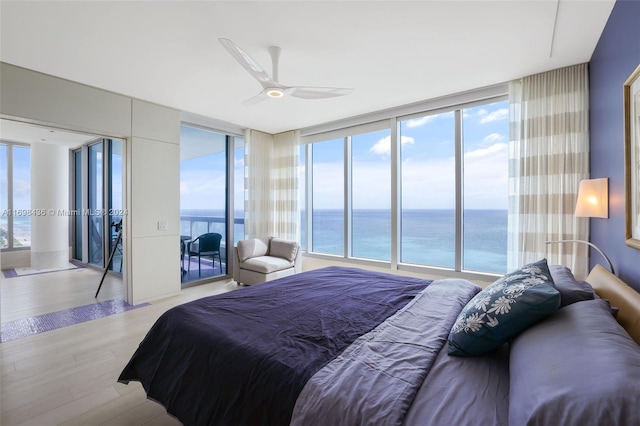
(593,198)
(593,201)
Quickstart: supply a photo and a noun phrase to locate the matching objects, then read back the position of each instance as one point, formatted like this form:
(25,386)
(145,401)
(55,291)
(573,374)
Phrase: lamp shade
(593,198)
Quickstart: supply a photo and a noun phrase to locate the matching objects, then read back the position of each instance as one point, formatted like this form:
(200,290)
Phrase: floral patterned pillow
(504,309)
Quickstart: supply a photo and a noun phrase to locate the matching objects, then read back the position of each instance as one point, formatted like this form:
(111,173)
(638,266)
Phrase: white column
(50,194)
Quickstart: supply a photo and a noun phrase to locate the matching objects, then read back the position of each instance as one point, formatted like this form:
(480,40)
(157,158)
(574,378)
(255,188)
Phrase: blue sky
(427,155)
(21,177)
(203,178)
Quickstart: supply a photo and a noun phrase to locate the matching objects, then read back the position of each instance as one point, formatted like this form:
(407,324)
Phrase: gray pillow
(283,248)
(571,290)
(577,367)
(504,309)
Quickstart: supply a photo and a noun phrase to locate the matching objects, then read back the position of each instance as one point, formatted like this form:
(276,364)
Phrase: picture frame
(631,90)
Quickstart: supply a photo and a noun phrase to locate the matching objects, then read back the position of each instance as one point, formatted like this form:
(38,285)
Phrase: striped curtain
(549,156)
(271,185)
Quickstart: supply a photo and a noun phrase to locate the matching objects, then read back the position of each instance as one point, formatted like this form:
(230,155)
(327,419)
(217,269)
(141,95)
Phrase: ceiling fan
(271,88)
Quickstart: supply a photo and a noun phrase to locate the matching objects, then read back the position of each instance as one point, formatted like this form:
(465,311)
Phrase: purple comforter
(243,357)
(375,380)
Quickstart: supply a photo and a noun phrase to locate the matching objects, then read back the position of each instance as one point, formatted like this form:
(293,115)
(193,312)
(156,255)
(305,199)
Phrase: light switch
(163,225)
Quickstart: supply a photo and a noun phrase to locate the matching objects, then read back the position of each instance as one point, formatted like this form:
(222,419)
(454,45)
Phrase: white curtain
(271,185)
(549,156)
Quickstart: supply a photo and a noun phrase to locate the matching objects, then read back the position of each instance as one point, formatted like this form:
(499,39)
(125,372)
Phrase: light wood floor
(69,376)
(30,295)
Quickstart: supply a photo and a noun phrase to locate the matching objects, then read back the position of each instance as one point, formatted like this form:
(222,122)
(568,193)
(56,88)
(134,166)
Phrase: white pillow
(251,248)
(283,248)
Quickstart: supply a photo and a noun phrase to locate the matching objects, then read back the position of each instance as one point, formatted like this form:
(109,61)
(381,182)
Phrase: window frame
(10,190)
(455,103)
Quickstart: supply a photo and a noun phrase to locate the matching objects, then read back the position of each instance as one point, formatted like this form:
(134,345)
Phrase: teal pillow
(504,309)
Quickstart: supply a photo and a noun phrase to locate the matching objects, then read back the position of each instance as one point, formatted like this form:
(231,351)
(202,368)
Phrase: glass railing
(193,226)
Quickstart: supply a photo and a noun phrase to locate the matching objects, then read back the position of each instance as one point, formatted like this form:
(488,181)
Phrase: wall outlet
(163,225)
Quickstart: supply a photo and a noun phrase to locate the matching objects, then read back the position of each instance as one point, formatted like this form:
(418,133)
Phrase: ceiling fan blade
(254,100)
(248,63)
(317,92)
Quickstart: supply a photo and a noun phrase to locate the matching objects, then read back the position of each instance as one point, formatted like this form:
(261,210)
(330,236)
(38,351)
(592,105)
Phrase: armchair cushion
(252,248)
(266,264)
(283,248)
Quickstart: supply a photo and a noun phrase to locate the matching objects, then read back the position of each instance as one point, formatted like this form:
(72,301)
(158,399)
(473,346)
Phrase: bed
(347,346)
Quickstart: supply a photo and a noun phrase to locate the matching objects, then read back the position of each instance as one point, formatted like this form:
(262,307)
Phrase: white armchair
(259,260)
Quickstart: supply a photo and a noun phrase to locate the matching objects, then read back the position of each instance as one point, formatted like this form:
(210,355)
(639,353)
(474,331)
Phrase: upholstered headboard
(620,295)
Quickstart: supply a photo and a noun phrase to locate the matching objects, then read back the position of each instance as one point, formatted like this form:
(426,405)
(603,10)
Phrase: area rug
(46,322)
(21,272)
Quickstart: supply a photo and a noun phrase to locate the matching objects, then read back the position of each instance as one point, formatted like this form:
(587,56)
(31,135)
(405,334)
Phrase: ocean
(427,237)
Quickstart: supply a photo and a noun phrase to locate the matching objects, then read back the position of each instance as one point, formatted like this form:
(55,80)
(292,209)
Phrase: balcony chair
(206,245)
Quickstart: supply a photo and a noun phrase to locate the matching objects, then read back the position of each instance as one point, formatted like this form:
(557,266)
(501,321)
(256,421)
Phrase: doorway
(98,204)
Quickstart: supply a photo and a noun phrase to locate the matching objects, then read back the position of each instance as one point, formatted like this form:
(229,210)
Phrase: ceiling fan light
(275,92)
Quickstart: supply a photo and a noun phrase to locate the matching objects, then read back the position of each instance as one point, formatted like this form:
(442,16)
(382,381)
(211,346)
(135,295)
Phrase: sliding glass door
(115,210)
(204,214)
(97,196)
(96,205)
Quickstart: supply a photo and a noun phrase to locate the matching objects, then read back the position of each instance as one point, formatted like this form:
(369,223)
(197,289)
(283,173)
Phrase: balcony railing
(193,226)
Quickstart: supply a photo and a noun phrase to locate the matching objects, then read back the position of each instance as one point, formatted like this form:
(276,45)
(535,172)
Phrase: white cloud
(202,189)
(493,137)
(488,117)
(184,187)
(21,186)
(417,122)
(483,153)
(428,184)
(486,177)
(383,146)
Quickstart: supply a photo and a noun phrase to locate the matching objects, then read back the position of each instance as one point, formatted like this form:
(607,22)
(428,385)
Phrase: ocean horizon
(426,235)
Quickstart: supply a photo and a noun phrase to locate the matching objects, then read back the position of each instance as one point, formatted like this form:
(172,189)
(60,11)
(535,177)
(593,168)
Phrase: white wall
(49,190)
(152,159)
(154,197)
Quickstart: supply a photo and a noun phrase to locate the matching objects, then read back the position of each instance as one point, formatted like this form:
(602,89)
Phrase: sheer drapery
(549,156)
(271,185)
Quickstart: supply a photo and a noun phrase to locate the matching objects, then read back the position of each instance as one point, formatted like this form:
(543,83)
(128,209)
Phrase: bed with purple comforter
(340,346)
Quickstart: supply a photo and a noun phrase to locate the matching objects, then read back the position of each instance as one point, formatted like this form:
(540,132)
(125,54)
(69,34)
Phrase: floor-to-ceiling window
(485,163)
(115,210)
(77,201)
(238,189)
(15,196)
(371,195)
(205,195)
(302,188)
(443,172)
(97,202)
(4,197)
(428,188)
(328,196)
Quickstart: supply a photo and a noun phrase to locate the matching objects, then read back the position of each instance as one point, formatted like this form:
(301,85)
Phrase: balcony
(191,227)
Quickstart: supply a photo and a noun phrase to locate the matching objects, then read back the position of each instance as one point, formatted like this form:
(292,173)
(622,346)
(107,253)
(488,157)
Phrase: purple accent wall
(616,55)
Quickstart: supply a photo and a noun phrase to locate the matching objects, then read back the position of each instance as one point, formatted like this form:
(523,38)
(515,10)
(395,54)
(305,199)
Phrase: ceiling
(391,53)
(16,131)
